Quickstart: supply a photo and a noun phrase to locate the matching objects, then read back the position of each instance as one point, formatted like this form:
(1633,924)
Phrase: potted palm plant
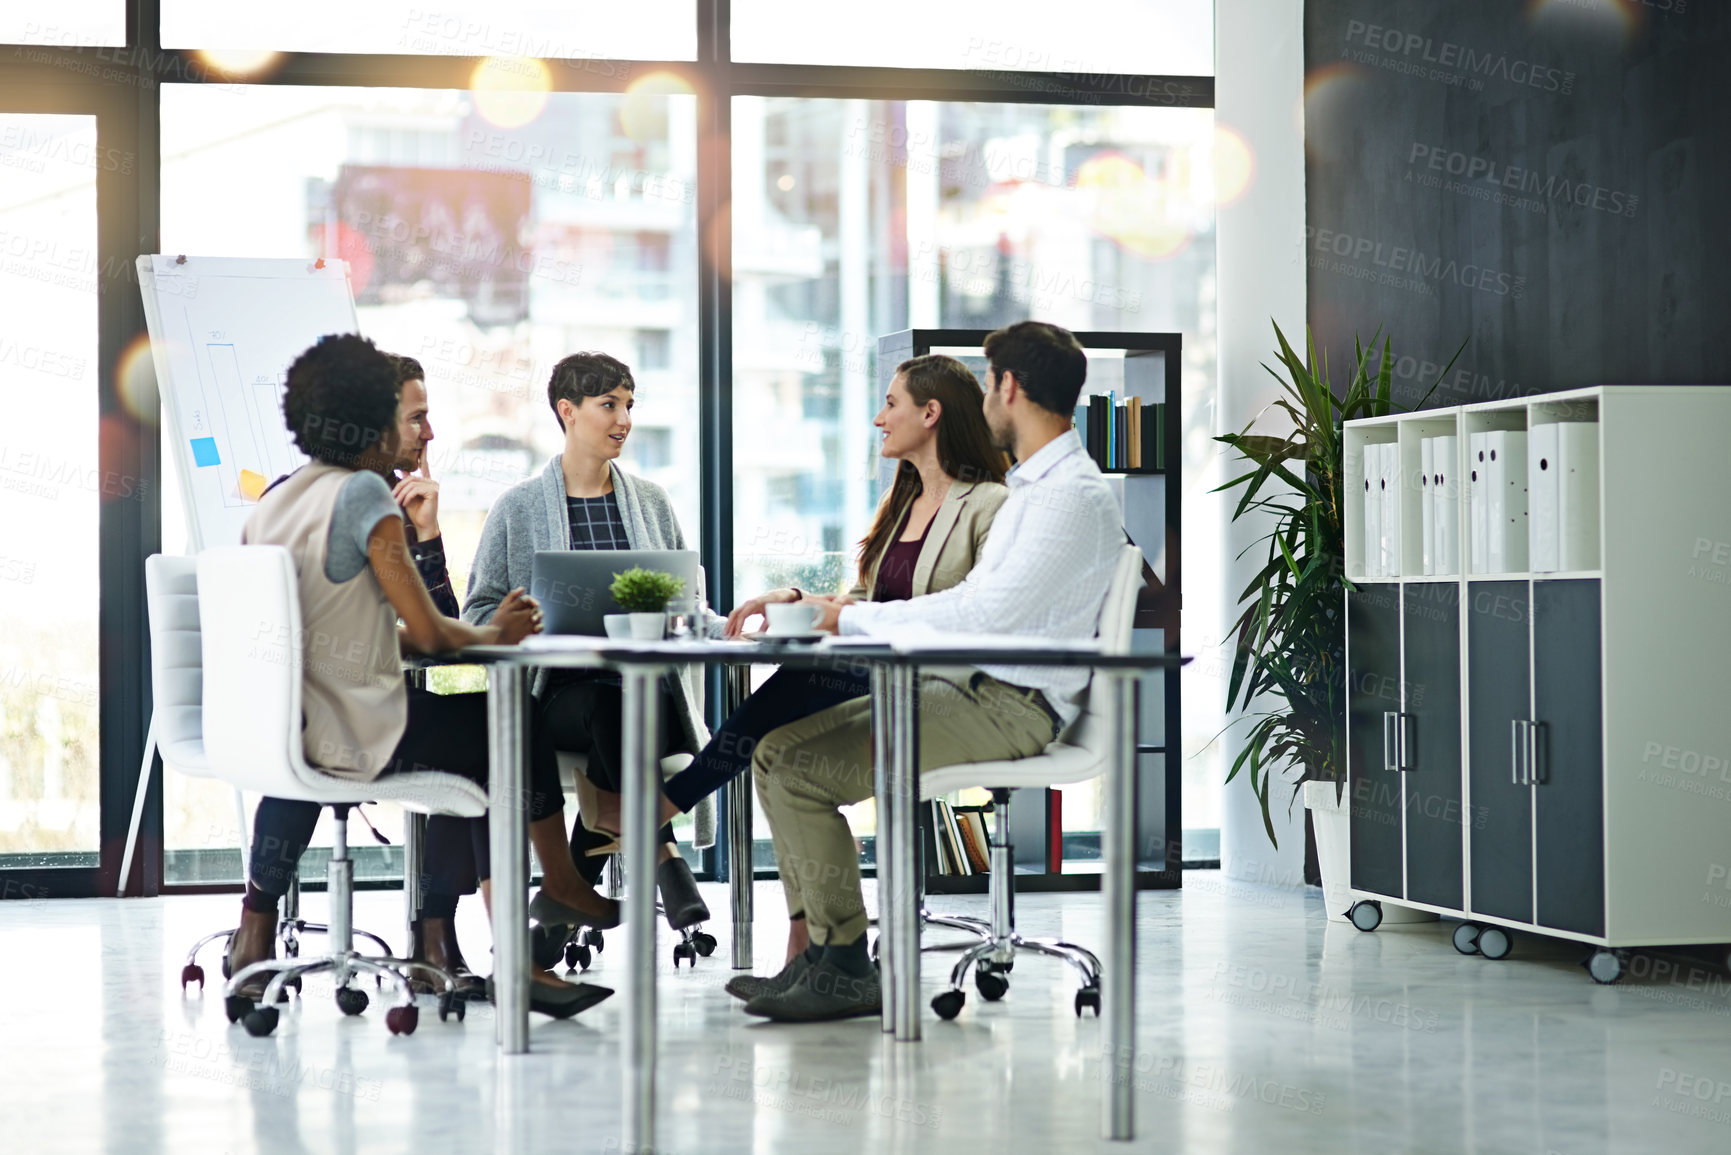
(1288,670)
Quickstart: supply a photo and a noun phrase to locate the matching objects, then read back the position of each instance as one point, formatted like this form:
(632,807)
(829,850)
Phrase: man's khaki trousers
(807,771)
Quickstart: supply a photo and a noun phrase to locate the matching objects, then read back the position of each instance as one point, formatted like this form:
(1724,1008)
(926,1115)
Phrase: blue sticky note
(204,452)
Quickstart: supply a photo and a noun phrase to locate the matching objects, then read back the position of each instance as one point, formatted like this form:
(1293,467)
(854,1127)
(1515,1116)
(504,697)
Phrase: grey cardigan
(532,515)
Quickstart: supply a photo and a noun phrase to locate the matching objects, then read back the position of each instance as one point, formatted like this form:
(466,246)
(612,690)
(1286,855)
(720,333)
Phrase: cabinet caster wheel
(237,1007)
(992,987)
(260,1022)
(1605,966)
(450,1004)
(577,957)
(705,943)
(403,1020)
(350,1001)
(546,943)
(1466,937)
(192,973)
(1366,916)
(1088,997)
(684,950)
(1495,943)
(949,1004)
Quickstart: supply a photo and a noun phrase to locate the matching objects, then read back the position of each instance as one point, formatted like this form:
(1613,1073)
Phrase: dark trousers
(787,696)
(584,713)
(446,732)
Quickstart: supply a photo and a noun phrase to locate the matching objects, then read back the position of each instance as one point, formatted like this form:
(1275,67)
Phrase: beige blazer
(953,542)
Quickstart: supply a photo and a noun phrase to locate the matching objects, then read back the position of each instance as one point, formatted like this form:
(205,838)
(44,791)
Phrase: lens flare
(1621,18)
(643,112)
(1234,165)
(511,91)
(1332,95)
(135,380)
(239,64)
(1131,208)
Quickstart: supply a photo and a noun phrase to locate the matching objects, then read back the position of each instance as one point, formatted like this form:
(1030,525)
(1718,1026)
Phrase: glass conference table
(893,670)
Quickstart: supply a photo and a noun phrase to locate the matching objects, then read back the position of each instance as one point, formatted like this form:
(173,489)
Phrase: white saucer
(802,637)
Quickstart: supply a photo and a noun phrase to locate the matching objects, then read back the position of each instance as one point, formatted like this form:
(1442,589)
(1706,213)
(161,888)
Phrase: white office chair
(1079,753)
(177,693)
(250,626)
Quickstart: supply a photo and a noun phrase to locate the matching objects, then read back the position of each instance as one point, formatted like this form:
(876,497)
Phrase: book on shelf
(1372,511)
(1391,483)
(1127,436)
(1478,505)
(1542,471)
(1506,500)
(1445,495)
(973,827)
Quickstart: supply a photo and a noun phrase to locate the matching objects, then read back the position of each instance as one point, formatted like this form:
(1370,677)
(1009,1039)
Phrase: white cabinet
(1549,748)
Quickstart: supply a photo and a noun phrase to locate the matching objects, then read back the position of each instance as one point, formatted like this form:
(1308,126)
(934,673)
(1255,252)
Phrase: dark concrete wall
(1545,179)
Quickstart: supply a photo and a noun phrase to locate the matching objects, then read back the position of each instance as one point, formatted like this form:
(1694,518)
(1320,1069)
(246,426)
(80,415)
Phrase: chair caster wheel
(684,950)
(546,943)
(578,957)
(705,943)
(992,986)
(1605,966)
(403,1020)
(282,995)
(1088,997)
(1466,937)
(1495,942)
(597,940)
(449,1004)
(260,1022)
(192,973)
(351,1001)
(237,1007)
(1366,916)
(227,972)
(949,1004)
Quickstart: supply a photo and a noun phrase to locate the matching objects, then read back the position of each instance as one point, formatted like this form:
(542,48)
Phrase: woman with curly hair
(340,523)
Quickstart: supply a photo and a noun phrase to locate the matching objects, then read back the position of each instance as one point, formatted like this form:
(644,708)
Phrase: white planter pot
(1331,820)
(648,627)
(617,625)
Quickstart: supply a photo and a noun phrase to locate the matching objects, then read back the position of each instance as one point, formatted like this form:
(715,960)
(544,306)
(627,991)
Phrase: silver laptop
(574,585)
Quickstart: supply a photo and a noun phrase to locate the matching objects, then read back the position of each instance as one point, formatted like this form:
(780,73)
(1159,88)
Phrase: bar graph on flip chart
(223,332)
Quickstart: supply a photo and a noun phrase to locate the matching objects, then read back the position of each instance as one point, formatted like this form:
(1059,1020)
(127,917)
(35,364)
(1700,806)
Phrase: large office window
(1006,37)
(485,250)
(852,219)
(63,23)
(581,32)
(51,490)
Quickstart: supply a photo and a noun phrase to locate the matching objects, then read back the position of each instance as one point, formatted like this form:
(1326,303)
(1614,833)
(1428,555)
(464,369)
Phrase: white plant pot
(648,627)
(617,625)
(1332,821)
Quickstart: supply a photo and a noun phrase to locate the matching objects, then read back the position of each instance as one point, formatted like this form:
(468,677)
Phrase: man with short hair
(1042,574)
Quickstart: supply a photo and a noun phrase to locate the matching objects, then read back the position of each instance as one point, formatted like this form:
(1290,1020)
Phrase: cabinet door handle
(1388,741)
(1535,753)
(1403,742)
(1517,751)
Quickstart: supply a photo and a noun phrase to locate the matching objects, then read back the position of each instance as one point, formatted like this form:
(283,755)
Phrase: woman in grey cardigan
(583,500)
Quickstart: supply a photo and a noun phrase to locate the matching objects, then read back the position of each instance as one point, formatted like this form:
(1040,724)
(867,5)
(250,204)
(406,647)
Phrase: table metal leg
(1118,895)
(642,777)
(883,715)
(507,818)
(739,867)
(904,849)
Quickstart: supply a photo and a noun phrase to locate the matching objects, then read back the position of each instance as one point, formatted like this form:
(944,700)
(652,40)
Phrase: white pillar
(858,438)
(1259,91)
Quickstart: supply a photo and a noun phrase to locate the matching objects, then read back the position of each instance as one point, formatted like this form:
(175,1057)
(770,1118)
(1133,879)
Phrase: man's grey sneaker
(748,987)
(823,992)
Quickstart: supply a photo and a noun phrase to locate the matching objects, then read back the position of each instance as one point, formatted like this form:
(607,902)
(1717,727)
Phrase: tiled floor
(1263,1029)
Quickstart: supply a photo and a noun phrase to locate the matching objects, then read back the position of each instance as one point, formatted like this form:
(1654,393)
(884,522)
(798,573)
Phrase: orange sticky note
(252,484)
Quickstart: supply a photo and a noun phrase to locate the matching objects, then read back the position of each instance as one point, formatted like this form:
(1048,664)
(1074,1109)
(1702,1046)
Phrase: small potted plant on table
(643,594)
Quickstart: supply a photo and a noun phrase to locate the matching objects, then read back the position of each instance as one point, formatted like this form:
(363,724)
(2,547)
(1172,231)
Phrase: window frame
(121,86)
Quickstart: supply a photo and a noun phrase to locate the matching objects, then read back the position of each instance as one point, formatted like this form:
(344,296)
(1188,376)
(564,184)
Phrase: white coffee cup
(791,617)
